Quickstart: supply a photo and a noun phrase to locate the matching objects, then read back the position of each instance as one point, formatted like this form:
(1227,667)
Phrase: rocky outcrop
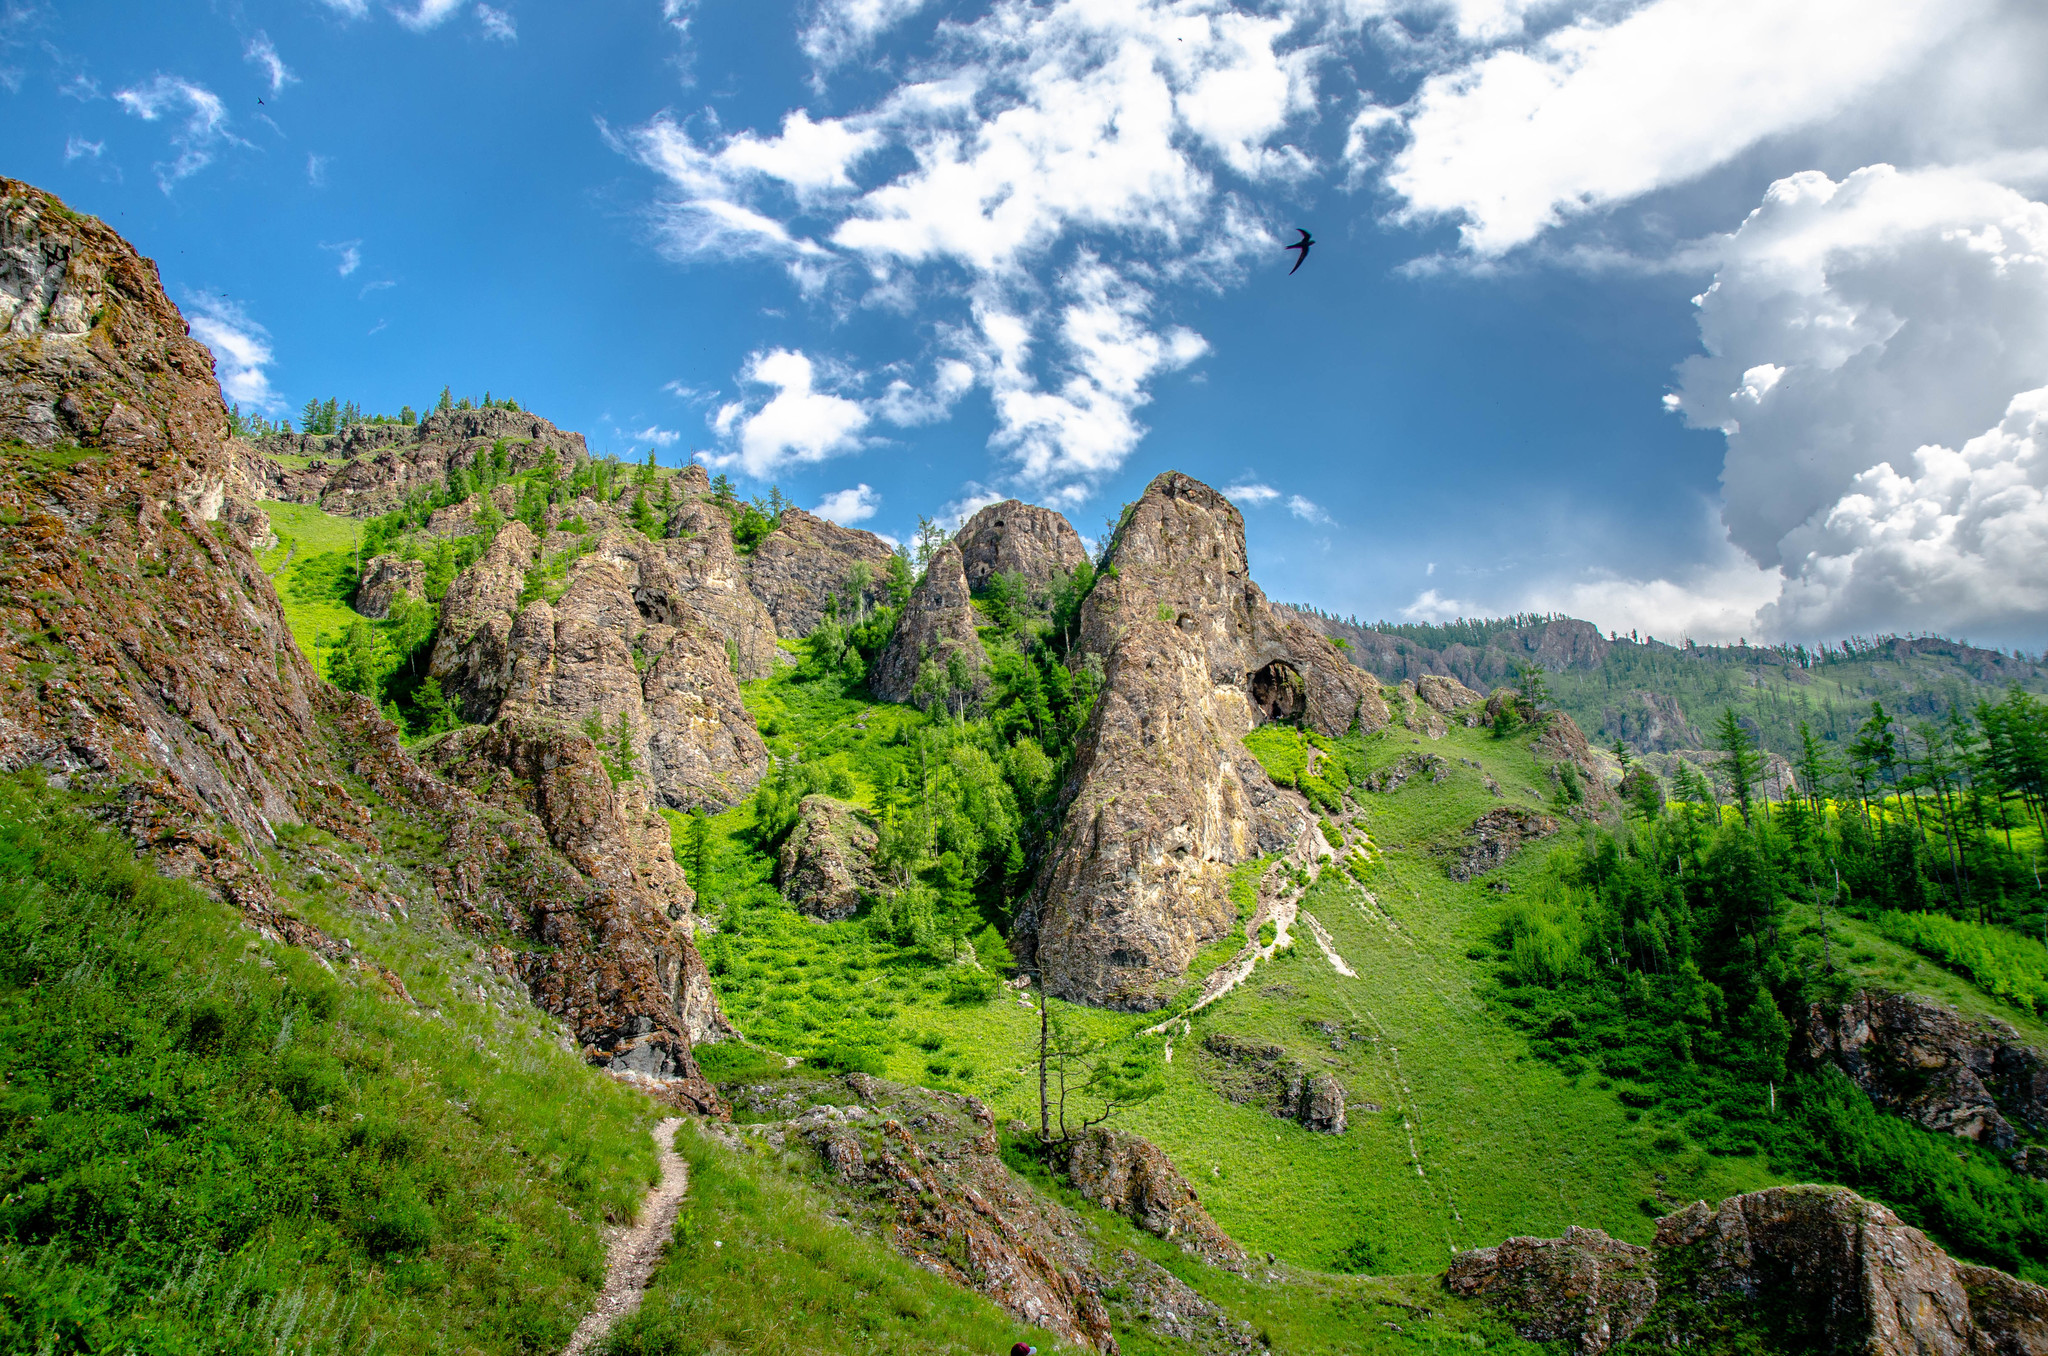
(1493,838)
(1585,1290)
(824,868)
(368,469)
(1258,1073)
(923,1170)
(1792,1268)
(1561,741)
(145,658)
(1131,1177)
(1013,537)
(1447,695)
(1418,715)
(384,578)
(696,576)
(1163,799)
(808,561)
(936,626)
(627,645)
(1931,1065)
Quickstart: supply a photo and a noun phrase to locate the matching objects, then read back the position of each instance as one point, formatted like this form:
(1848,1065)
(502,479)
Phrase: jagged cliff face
(1165,798)
(144,655)
(369,468)
(1018,538)
(807,561)
(937,626)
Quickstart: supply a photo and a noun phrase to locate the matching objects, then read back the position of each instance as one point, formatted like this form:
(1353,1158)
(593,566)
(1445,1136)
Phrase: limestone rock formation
(632,638)
(1801,1268)
(1931,1065)
(937,624)
(807,561)
(368,469)
(384,578)
(1493,838)
(1131,1177)
(924,1171)
(824,866)
(145,657)
(1258,1073)
(1160,804)
(1585,1289)
(1013,537)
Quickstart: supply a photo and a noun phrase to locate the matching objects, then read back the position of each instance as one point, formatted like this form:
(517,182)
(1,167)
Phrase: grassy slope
(311,544)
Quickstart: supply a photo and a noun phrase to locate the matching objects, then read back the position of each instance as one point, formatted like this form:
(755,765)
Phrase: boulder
(1131,1177)
(1013,537)
(1444,694)
(937,624)
(1585,1289)
(1929,1064)
(384,578)
(1160,805)
(824,867)
(808,560)
(1493,838)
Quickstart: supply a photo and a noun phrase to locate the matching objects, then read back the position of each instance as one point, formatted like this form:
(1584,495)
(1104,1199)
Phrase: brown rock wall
(806,561)
(937,623)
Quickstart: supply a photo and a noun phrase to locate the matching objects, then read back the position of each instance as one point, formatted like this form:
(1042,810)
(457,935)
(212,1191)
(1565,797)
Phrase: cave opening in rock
(1278,694)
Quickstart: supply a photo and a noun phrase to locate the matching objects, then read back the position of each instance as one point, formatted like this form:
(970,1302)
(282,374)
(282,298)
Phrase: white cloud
(263,53)
(655,436)
(76,147)
(428,14)
(1431,606)
(1250,492)
(847,507)
(1307,510)
(838,30)
(316,170)
(349,9)
(204,125)
(906,406)
(81,87)
(1717,600)
(241,351)
(797,424)
(978,497)
(496,23)
(348,256)
(1591,115)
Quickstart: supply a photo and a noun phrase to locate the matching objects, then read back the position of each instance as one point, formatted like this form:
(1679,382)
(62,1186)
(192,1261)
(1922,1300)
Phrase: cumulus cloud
(263,54)
(847,507)
(838,30)
(797,423)
(241,350)
(200,122)
(496,23)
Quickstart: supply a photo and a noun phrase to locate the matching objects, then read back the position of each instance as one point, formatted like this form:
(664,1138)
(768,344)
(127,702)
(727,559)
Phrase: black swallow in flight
(1305,244)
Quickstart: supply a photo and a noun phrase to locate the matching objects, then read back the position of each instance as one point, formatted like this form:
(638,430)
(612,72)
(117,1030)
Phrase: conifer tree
(447,401)
(1744,765)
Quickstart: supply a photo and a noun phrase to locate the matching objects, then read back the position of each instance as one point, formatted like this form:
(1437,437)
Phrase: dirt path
(632,1254)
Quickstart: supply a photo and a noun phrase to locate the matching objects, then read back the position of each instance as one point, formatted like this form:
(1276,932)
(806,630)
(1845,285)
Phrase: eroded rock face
(807,561)
(1793,1268)
(923,1170)
(1586,1290)
(1164,799)
(384,578)
(937,624)
(1933,1066)
(1018,538)
(1257,1073)
(627,641)
(1131,1177)
(824,868)
(1493,838)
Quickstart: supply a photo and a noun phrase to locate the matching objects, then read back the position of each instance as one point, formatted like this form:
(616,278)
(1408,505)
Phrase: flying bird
(1305,244)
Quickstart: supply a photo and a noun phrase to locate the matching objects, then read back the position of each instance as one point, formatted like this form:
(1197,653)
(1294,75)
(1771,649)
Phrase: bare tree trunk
(1044,1107)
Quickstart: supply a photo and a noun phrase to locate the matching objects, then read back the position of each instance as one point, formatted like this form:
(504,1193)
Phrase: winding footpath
(633,1253)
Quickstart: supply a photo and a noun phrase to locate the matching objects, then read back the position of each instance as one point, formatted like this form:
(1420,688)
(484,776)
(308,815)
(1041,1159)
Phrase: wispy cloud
(496,23)
(77,147)
(1250,493)
(349,9)
(348,256)
(1307,510)
(654,435)
(203,126)
(316,170)
(377,286)
(263,53)
(81,87)
(428,14)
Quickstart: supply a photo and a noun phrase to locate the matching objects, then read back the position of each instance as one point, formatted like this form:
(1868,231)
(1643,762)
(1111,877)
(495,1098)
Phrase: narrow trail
(632,1254)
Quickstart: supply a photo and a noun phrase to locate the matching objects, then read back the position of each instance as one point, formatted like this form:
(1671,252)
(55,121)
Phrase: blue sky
(1707,317)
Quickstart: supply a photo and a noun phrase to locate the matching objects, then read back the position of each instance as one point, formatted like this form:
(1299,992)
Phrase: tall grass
(213,1143)
(1998,960)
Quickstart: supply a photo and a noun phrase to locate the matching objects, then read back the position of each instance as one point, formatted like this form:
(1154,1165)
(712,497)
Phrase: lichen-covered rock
(1587,1290)
(1160,806)
(1446,695)
(2011,1315)
(384,578)
(1419,715)
(824,868)
(1494,837)
(696,576)
(936,628)
(1013,537)
(1562,741)
(1933,1066)
(1259,1073)
(924,1171)
(807,561)
(1131,1177)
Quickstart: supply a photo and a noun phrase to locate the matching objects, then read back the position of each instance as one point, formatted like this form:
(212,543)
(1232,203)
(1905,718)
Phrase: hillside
(397,825)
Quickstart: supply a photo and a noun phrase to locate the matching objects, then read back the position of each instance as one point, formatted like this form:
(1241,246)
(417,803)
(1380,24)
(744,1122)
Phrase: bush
(844,1057)
(732,1062)
(971,986)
